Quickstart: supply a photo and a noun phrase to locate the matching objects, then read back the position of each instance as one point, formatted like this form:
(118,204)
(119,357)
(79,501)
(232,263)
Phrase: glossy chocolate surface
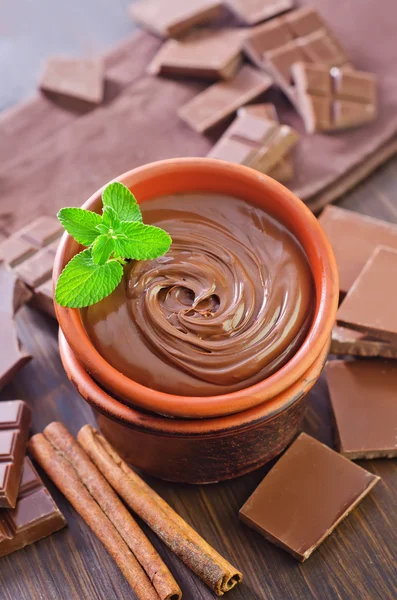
(363,398)
(305,496)
(35,516)
(15,417)
(228,305)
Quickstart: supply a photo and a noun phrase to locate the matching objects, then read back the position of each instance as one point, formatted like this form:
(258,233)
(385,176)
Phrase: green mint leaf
(110,218)
(80,224)
(118,196)
(140,242)
(102,249)
(83,283)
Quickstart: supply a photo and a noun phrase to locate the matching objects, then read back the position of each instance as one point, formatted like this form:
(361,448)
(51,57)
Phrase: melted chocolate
(228,305)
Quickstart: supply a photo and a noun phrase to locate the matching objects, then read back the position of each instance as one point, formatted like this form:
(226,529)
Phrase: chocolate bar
(15,418)
(35,516)
(283,171)
(255,142)
(220,100)
(82,79)
(299,36)
(255,11)
(353,238)
(332,99)
(13,295)
(370,305)
(30,252)
(346,341)
(172,18)
(309,491)
(203,53)
(363,398)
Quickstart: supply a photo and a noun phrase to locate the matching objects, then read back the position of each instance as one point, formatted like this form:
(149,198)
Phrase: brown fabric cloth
(54,155)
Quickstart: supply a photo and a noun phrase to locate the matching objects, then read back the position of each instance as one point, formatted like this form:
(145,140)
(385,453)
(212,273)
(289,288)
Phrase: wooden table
(357,562)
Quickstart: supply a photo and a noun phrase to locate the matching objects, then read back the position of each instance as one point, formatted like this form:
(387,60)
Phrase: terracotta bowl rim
(325,279)
(156,424)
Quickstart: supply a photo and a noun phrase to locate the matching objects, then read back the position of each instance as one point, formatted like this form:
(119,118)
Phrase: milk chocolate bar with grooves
(30,252)
(354,238)
(255,11)
(363,398)
(209,54)
(35,516)
(308,492)
(332,99)
(15,418)
(174,17)
(220,100)
(298,36)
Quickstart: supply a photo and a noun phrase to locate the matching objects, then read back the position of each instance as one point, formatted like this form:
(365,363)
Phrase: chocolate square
(363,398)
(255,11)
(82,79)
(309,491)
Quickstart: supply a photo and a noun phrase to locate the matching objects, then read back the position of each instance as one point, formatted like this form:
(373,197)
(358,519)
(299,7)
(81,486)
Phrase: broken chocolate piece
(309,491)
(283,171)
(42,231)
(353,238)
(75,78)
(255,11)
(355,343)
(299,36)
(363,398)
(171,18)
(370,305)
(331,99)
(255,142)
(15,418)
(204,53)
(43,298)
(216,103)
(14,250)
(37,269)
(35,516)
(14,293)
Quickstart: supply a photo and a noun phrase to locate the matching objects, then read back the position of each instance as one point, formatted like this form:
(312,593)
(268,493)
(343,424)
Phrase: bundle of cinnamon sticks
(89,472)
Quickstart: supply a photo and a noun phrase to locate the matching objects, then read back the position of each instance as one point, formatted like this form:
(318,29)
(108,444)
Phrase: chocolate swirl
(225,307)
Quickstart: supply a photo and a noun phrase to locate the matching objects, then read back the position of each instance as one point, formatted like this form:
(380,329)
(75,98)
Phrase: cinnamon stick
(76,476)
(186,543)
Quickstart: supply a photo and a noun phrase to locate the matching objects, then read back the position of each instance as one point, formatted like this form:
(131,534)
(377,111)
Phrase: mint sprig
(112,239)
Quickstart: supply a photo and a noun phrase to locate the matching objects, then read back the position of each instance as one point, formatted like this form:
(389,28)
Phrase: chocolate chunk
(43,298)
(204,53)
(255,142)
(283,171)
(15,418)
(37,269)
(35,516)
(354,237)
(255,11)
(75,78)
(305,496)
(216,103)
(299,36)
(171,18)
(14,250)
(42,231)
(331,99)
(13,295)
(370,305)
(355,343)
(363,398)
